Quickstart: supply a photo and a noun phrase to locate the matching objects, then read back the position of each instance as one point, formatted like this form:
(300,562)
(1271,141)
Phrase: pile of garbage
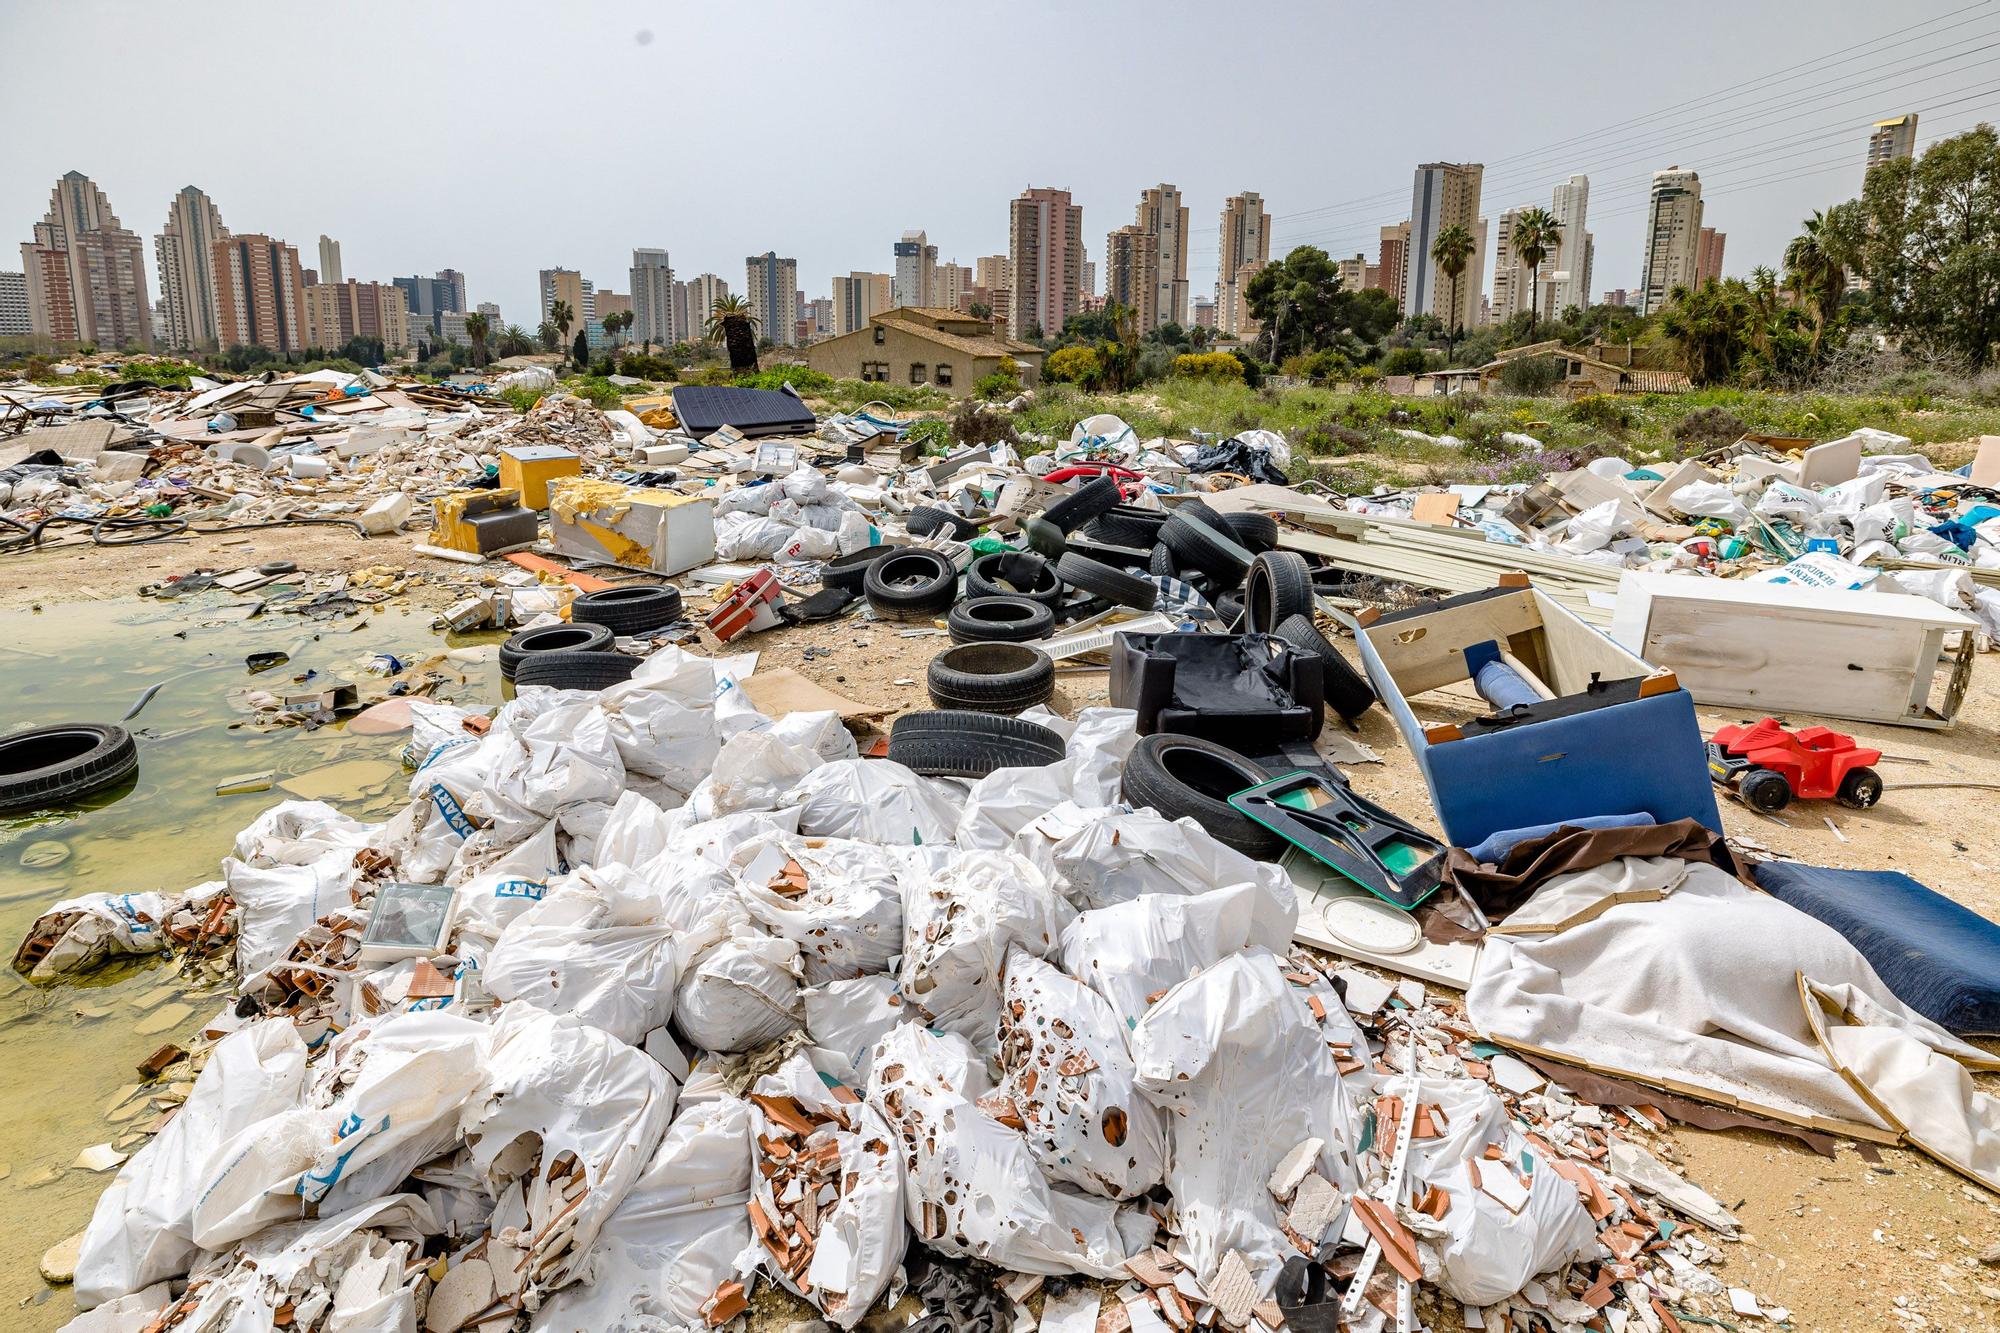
(647,998)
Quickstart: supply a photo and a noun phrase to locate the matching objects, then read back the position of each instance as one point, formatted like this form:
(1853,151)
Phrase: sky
(501,138)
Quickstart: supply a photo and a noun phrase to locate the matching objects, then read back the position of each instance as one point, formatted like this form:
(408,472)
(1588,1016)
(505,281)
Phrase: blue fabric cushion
(1941,959)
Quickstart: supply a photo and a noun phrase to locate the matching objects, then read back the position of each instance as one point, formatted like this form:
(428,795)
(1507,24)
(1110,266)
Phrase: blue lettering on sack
(447,806)
(434,1002)
(315,1185)
(442,746)
(520,888)
(122,905)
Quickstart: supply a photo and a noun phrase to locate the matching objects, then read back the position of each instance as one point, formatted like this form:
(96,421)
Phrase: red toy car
(1768,766)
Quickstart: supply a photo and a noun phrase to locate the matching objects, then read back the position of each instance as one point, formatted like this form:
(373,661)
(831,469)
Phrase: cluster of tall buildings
(83,279)
(83,276)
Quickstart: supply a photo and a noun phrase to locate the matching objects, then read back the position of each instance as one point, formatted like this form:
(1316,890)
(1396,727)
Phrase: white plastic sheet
(875,800)
(848,921)
(1097,858)
(274,904)
(576,952)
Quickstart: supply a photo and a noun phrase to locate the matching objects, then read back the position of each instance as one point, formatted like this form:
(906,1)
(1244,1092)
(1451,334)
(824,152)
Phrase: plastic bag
(858,1236)
(1709,499)
(1097,858)
(1139,948)
(847,918)
(96,927)
(972,1186)
(753,771)
(299,833)
(142,1230)
(275,904)
(575,953)
(1068,1076)
(875,800)
(674,1238)
(961,911)
(845,1019)
(1232,1055)
(670,719)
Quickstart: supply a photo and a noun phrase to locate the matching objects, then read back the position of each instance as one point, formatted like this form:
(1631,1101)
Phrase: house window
(943,376)
(917,375)
(881,335)
(875,372)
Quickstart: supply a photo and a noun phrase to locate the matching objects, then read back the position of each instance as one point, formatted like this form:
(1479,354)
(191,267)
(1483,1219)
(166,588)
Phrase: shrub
(1602,411)
(1367,376)
(1073,365)
(1531,376)
(1404,361)
(1002,383)
(596,390)
(1330,439)
(1220,366)
(1711,427)
(522,398)
(803,378)
(641,366)
(1317,367)
(932,436)
(1253,370)
(975,423)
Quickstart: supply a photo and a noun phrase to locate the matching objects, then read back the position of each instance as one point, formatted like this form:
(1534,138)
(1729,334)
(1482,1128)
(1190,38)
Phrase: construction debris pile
(654,998)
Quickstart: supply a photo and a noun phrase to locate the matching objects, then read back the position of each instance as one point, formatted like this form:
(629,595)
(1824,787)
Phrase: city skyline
(1798,145)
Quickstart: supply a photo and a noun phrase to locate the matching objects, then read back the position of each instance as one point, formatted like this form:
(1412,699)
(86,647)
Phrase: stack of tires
(583,655)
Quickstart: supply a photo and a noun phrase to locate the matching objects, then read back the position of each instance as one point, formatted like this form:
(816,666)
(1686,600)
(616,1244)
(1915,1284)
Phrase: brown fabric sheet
(1600,1090)
(1500,889)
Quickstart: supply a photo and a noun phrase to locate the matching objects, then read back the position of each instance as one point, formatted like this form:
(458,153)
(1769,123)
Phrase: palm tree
(731,320)
(549,334)
(476,328)
(562,316)
(515,341)
(1814,277)
(1451,252)
(1711,328)
(1536,232)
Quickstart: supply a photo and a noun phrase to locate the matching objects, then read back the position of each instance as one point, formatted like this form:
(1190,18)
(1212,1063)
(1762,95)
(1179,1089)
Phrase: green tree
(579,351)
(515,341)
(549,335)
(981,310)
(477,327)
(1816,279)
(1712,328)
(731,321)
(1929,245)
(1451,252)
(562,316)
(1536,232)
(1300,306)
(1074,365)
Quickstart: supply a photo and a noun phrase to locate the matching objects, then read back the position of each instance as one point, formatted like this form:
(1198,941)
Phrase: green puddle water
(69,1052)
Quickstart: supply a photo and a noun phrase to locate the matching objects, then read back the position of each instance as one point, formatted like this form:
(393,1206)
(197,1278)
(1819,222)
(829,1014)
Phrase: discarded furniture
(1941,959)
(1776,648)
(1605,732)
(482,522)
(632,527)
(530,468)
(1252,692)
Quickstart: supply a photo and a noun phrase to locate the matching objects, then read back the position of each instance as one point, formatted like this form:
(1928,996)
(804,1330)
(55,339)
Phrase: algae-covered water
(68,1053)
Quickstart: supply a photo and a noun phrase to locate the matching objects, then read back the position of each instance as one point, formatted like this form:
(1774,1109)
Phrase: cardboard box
(530,468)
(637,527)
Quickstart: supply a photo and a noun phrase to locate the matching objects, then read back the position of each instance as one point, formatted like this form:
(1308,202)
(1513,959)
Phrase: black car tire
(1200,510)
(1230,607)
(930,521)
(847,571)
(1278,587)
(632,609)
(1125,589)
(1185,776)
(912,584)
(1000,619)
(1195,543)
(1253,532)
(970,745)
(1162,563)
(1013,574)
(1127,525)
(552,639)
(991,677)
(1086,502)
(52,765)
(1348,692)
(575,671)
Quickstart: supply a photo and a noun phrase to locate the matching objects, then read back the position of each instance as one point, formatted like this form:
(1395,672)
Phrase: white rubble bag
(847,920)
(385,1098)
(1232,1055)
(1007,800)
(634,832)
(1068,1075)
(972,1186)
(1096,858)
(346,1269)
(551,756)
(599,955)
(557,1091)
(740,993)
(845,1019)
(858,1234)
(670,719)
(1493,1248)
(97,927)
(142,1230)
(961,911)
(299,833)
(1137,949)
(754,770)
(275,904)
(875,800)
(485,903)
(674,1238)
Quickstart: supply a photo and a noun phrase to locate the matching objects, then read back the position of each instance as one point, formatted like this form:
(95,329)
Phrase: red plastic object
(1812,760)
(1063,474)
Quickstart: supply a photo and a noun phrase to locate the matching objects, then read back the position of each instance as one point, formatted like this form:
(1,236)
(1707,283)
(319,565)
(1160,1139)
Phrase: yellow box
(530,468)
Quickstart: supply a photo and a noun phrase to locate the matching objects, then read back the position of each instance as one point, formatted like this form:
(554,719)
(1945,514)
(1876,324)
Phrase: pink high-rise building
(1045,250)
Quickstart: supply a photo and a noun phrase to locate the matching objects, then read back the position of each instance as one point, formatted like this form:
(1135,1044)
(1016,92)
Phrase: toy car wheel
(1765,790)
(1860,789)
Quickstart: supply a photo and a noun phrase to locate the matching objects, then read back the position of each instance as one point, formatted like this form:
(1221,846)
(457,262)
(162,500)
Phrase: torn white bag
(741,993)
(961,911)
(875,800)
(1135,950)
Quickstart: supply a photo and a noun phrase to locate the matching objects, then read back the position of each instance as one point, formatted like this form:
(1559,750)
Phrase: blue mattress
(1941,959)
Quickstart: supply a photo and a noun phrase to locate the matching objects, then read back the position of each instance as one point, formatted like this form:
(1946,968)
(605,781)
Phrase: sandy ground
(1883,1241)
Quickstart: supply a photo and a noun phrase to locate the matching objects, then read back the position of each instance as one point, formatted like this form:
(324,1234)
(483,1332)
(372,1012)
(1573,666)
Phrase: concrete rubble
(652,998)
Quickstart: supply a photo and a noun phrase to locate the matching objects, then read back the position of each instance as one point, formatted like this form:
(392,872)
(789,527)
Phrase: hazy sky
(501,138)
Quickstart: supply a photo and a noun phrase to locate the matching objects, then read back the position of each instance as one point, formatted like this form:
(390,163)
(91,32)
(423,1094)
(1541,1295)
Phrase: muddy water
(68,1053)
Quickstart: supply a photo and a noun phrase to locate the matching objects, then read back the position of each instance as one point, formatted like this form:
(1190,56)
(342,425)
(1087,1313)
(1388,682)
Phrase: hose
(156,529)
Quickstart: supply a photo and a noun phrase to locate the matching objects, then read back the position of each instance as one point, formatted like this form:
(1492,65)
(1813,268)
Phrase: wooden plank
(1575,652)
(543,565)
(1425,653)
(1437,508)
